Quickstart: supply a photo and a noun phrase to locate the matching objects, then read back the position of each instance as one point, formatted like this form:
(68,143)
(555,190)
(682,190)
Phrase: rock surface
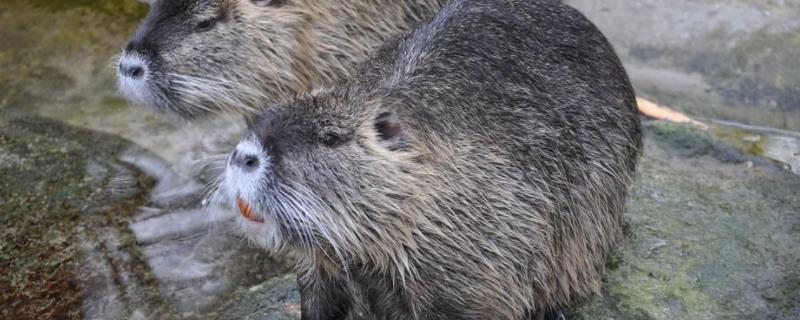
(726,59)
(56,179)
(96,227)
(710,233)
(277,299)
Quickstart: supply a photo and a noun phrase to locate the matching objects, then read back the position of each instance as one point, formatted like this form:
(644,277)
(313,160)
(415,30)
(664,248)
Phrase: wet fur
(259,54)
(499,198)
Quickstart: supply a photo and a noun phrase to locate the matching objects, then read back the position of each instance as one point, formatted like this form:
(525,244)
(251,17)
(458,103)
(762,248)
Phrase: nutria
(190,57)
(474,168)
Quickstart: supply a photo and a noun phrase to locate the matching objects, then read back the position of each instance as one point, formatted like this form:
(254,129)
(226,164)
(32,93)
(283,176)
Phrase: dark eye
(206,25)
(330,139)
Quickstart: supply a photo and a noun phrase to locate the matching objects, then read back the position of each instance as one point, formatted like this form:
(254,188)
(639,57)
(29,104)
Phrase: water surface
(101,201)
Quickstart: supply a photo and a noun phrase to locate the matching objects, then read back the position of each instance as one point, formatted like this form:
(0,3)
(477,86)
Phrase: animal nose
(245,161)
(132,70)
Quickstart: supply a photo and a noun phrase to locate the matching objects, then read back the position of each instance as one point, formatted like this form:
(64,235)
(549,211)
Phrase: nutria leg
(322,297)
(552,315)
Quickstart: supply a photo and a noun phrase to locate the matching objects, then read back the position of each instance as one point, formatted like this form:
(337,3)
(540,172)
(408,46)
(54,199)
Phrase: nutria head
(190,57)
(324,174)
(187,52)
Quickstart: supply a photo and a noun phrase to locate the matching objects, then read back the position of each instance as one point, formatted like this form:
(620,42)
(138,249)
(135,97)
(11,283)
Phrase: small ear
(389,129)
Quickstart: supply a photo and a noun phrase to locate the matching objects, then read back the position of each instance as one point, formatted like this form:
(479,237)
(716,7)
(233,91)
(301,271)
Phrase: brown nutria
(189,57)
(474,168)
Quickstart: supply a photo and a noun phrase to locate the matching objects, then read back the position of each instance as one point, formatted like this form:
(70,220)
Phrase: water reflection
(191,261)
(778,145)
(95,226)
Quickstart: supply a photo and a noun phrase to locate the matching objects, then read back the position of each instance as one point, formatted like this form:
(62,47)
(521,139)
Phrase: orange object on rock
(653,110)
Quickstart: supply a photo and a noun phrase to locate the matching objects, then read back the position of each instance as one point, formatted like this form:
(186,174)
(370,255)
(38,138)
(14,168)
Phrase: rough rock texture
(96,227)
(56,179)
(277,299)
(728,59)
(711,233)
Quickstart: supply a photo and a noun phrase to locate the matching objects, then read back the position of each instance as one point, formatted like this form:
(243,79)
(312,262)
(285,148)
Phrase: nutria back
(474,168)
(193,57)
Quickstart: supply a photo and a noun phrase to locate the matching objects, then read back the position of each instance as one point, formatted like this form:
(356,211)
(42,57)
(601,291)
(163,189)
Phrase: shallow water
(781,146)
(100,201)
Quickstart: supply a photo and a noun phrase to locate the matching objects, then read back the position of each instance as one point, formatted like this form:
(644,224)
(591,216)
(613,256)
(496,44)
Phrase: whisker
(310,213)
(218,92)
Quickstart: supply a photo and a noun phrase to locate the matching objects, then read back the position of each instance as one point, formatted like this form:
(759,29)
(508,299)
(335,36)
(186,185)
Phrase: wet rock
(96,227)
(719,242)
(685,142)
(779,146)
(276,299)
(189,260)
(734,60)
(54,177)
(197,267)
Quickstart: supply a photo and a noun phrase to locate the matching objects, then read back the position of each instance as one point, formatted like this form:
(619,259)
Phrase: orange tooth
(244,208)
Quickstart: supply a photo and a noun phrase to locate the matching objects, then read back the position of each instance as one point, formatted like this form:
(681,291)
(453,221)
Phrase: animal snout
(135,71)
(132,67)
(244,160)
(245,170)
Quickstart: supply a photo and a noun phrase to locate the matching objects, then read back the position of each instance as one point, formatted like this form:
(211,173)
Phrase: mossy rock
(54,176)
(706,238)
(685,141)
(276,299)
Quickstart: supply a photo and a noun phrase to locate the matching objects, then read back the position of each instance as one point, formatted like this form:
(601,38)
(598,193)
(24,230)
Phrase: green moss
(276,299)
(76,43)
(45,194)
(683,139)
(121,9)
(689,141)
(706,239)
(741,139)
(661,290)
